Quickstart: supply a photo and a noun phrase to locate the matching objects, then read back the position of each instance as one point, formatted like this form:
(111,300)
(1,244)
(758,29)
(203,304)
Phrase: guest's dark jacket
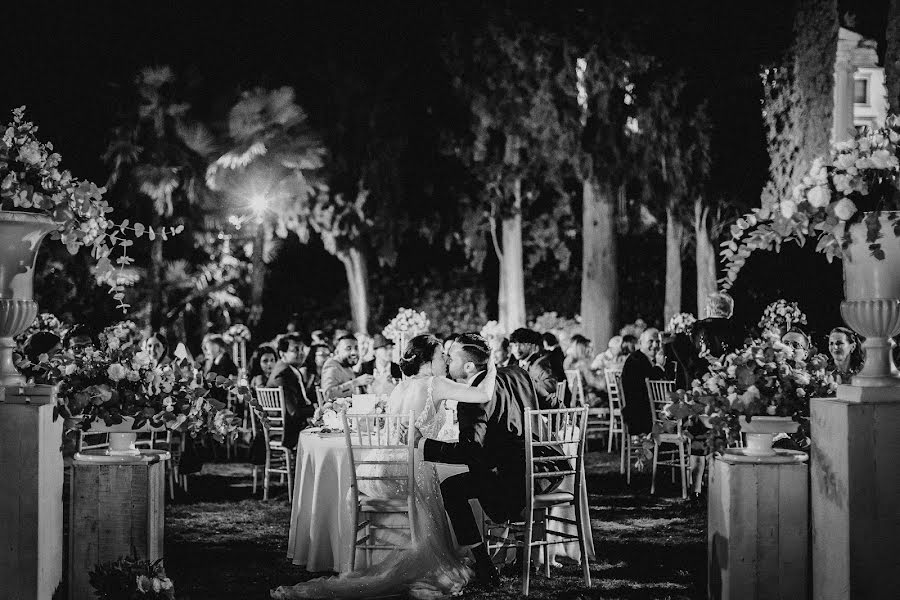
(297,406)
(368,368)
(683,362)
(222,366)
(545,377)
(720,336)
(636,412)
(492,444)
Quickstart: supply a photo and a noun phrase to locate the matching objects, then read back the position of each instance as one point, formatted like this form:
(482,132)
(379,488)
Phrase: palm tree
(156,149)
(271,168)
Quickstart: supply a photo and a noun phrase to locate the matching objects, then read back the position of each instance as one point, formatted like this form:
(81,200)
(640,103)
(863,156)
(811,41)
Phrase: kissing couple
(491,410)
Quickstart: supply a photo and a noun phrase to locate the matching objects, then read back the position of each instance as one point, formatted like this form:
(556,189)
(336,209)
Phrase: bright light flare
(259,203)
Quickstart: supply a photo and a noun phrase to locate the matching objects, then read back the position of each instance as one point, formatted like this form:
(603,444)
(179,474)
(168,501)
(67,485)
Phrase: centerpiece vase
(20,238)
(760,433)
(122,436)
(872,304)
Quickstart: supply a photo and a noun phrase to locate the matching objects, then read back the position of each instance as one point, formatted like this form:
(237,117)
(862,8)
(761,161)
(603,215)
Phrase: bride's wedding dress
(433,567)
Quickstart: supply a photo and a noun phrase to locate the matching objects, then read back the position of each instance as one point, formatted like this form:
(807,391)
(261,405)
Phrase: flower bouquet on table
(762,380)
(118,383)
(328,416)
(237,333)
(856,183)
(130,579)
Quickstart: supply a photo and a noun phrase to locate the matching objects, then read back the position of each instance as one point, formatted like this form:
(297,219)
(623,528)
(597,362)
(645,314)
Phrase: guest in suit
(640,366)
(500,353)
(492,444)
(526,348)
(555,353)
(218,360)
(292,351)
(382,362)
(717,334)
(338,378)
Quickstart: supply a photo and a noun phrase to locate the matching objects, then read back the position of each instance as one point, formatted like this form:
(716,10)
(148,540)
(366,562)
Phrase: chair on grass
(564,428)
(320,397)
(173,443)
(616,425)
(365,434)
(667,432)
(278,458)
(629,451)
(561,392)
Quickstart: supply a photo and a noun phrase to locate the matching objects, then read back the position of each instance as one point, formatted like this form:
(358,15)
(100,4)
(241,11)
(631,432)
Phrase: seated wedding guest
(797,340)
(846,355)
(262,361)
(319,353)
(609,358)
(526,345)
(500,353)
(578,358)
(338,378)
(218,359)
(557,356)
(640,366)
(79,336)
(157,346)
(629,345)
(717,334)
(381,366)
(298,409)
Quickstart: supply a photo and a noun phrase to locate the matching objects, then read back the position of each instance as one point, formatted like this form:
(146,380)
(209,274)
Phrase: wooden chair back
(561,392)
(576,384)
(271,403)
(561,427)
(365,433)
(320,397)
(614,388)
(658,393)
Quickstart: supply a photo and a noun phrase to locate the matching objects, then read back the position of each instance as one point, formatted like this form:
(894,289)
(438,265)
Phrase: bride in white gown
(433,567)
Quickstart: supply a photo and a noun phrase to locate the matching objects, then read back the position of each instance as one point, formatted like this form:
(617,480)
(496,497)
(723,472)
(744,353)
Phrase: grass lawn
(221,543)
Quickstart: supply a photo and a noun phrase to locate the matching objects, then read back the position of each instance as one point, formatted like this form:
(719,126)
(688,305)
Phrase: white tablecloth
(321,530)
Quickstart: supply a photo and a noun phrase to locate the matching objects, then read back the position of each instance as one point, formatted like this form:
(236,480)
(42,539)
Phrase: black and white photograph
(477,299)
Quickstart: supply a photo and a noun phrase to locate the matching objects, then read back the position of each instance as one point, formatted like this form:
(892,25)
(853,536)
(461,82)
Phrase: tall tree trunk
(512,271)
(706,257)
(599,273)
(892,57)
(155,274)
(259,273)
(358,281)
(674,235)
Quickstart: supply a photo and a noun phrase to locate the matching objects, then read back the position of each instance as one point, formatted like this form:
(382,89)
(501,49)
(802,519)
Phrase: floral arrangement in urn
(237,333)
(131,579)
(779,316)
(763,379)
(681,323)
(857,183)
(31,181)
(118,381)
(406,325)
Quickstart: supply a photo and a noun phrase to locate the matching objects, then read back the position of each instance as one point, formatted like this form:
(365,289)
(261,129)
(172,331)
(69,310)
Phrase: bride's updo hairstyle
(419,351)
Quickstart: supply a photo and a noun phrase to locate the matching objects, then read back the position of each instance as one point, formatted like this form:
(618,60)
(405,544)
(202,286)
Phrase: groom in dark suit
(292,351)
(491,443)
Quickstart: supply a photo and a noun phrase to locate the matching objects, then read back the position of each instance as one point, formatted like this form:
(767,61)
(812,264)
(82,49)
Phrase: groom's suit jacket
(492,444)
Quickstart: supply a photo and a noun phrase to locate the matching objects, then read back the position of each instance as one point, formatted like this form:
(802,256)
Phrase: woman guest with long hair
(261,364)
(845,354)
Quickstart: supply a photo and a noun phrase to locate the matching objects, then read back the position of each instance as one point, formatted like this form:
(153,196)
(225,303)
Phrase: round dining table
(321,531)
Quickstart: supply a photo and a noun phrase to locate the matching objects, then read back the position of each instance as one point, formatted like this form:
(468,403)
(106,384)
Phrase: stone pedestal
(757,544)
(117,508)
(31,477)
(856,494)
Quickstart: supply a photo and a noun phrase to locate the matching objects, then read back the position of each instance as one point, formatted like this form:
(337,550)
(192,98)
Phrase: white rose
(844,209)
(116,372)
(788,208)
(70,368)
(819,196)
(882,159)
